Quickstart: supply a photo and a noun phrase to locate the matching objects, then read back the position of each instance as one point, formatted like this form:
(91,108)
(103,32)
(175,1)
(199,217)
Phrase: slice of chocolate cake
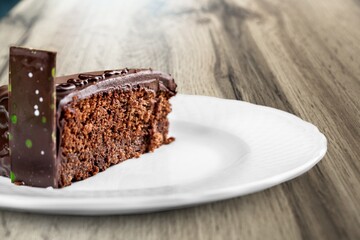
(100,119)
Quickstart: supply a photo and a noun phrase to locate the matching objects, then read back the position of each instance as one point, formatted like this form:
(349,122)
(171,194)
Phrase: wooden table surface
(299,56)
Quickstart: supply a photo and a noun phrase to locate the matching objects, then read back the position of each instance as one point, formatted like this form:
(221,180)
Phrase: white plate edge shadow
(115,205)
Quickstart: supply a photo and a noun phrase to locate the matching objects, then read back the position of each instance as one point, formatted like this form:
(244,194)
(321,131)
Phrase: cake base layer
(108,128)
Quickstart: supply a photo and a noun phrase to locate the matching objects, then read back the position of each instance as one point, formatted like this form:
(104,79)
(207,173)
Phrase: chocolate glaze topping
(85,84)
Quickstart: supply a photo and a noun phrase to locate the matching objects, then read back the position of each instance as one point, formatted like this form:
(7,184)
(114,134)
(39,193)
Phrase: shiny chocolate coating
(77,82)
(117,77)
(64,87)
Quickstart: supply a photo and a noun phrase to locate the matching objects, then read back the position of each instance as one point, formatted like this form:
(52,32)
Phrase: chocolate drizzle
(78,82)
(64,87)
(83,80)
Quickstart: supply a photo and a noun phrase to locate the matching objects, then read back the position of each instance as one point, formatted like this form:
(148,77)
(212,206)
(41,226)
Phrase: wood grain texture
(299,56)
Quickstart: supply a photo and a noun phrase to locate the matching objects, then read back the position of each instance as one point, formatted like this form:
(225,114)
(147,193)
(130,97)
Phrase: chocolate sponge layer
(108,117)
(108,128)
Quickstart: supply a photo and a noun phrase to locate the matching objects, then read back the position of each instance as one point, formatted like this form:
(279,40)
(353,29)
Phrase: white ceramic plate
(223,149)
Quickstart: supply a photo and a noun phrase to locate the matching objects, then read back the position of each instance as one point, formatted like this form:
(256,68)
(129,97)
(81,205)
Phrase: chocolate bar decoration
(32,117)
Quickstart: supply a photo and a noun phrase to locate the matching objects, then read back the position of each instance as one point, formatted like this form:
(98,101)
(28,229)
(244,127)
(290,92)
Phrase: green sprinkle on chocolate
(43,119)
(12,176)
(53,72)
(53,136)
(52,106)
(9,87)
(14,119)
(28,143)
(10,136)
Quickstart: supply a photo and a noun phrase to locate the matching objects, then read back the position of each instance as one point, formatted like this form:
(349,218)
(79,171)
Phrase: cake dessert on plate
(57,130)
